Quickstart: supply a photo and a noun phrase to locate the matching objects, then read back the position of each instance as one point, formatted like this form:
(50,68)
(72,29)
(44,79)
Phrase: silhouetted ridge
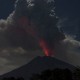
(38,65)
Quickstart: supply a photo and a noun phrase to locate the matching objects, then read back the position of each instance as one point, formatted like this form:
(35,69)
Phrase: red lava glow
(29,27)
(48,51)
(23,21)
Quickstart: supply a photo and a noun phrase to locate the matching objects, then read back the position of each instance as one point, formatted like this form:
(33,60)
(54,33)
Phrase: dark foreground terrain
(36,66)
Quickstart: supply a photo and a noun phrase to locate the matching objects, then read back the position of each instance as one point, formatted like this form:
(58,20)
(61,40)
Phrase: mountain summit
(37,65)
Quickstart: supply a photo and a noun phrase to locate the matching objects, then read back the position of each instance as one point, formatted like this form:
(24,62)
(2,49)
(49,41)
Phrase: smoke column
(39,22)
(23,21)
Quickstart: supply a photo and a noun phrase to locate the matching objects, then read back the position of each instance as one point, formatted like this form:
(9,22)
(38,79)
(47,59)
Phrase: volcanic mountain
(37,65)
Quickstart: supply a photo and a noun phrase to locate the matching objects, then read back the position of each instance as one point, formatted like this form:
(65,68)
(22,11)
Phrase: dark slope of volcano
(37,65)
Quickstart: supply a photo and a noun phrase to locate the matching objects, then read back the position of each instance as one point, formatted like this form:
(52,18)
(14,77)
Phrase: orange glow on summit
(47,50)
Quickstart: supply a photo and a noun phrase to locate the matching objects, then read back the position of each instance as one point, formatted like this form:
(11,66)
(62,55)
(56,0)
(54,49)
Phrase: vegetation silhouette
(55,74)
(76,73)
(13,78)
(58,74)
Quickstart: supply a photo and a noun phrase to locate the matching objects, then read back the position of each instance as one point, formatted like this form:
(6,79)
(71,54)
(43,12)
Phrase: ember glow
(30,28)
(47,50)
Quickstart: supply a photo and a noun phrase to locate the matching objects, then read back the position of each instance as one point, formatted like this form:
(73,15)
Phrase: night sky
(68,8)
(68,12)
(6,7)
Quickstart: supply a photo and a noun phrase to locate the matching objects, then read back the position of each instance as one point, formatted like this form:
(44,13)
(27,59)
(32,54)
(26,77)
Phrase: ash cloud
(16,46)
(13,33)
(26,25)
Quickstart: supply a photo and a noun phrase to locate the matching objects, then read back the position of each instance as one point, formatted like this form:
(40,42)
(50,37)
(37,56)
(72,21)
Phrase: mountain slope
(36,66)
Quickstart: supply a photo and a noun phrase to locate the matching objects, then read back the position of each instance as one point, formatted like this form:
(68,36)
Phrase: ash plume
(30,23)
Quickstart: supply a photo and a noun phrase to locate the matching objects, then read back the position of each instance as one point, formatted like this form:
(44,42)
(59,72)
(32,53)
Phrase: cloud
(69,25)
(16,46)
(68,50)
(11,58)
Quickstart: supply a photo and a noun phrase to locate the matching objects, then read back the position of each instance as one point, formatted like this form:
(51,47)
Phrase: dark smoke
(42,14)
(32,24)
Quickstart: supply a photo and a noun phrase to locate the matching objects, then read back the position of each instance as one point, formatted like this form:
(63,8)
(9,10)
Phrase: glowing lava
(47,50)
(31,29)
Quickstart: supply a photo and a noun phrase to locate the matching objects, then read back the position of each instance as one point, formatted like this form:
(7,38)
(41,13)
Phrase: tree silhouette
(9,78)
(46,75)
(76,73)
(12,78)
(56,74)
(35,77)
(68,74)
(20,78)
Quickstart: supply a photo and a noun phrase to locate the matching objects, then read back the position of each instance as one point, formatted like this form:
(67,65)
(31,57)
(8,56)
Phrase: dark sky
(68,7)
(63,8)
(6,7)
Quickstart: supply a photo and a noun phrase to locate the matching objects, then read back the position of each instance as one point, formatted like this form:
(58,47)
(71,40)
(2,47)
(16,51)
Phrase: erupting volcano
(40,22)
(46,45)
(31,29)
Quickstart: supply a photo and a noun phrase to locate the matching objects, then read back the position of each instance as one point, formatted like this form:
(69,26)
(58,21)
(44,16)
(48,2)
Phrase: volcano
(38,65)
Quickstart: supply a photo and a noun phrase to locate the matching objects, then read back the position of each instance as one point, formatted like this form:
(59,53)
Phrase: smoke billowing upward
(38,19)
(32,25)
